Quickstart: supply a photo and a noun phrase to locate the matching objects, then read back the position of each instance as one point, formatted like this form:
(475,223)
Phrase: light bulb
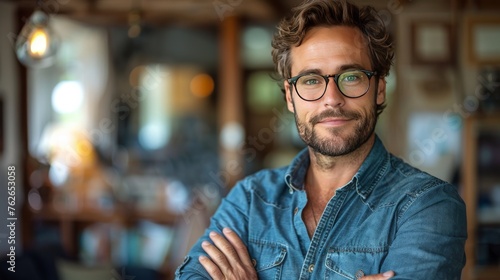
(37,44)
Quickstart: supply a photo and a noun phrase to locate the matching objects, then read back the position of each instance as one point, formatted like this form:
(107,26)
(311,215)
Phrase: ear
(288,96)
(381,91)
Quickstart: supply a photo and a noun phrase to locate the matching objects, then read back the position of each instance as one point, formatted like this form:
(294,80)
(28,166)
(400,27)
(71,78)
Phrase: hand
(229,257)
(386,275)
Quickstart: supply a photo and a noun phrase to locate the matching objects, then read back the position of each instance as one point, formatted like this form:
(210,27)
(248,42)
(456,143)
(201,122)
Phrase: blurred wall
(9,98)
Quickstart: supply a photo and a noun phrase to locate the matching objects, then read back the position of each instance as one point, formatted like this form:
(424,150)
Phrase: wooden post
(230,101)
(469,185)
(27,235)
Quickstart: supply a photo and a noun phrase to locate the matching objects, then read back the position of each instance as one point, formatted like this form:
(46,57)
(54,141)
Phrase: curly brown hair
(312,13)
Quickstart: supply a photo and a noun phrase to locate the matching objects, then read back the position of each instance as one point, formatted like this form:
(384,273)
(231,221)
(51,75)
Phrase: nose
(333,97)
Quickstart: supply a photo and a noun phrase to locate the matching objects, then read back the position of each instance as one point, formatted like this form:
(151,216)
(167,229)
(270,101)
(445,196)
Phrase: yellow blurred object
(38,43)
(135,75)
(85,150)
(202,85)
(67,146)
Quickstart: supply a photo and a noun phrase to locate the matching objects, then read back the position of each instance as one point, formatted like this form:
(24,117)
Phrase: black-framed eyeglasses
(351,83)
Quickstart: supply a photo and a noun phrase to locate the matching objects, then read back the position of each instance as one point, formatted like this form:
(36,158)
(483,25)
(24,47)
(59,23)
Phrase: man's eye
(311,80)
(351,78)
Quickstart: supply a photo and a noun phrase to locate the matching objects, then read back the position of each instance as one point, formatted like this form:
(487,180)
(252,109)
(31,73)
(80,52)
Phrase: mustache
(340,113)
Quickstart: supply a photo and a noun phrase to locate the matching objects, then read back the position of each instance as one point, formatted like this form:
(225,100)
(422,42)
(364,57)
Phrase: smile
(334,121)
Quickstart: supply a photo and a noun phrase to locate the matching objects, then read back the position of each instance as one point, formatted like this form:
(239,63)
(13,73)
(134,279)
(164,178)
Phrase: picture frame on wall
(432,43)
(482,40)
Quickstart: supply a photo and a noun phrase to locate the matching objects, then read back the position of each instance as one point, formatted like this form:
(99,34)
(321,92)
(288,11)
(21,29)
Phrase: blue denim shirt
(390,216)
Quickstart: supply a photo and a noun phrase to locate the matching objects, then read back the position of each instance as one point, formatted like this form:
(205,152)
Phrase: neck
(326,174)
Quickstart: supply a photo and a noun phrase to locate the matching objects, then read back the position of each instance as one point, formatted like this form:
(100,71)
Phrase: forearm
(191,269)
(231,214)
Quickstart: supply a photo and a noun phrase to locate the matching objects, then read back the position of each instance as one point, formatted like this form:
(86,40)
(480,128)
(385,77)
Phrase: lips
(334,121)
(334,117)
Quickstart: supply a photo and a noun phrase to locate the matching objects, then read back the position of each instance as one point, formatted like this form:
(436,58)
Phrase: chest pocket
(267,258)
(353,263)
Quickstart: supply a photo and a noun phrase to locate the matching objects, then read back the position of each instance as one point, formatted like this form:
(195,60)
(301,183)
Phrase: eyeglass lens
(351,83)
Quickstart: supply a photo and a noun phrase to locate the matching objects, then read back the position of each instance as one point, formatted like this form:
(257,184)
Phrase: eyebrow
(352,66)
(341,69)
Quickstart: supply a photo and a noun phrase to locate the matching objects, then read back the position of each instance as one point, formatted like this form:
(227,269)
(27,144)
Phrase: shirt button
(295,210)
(359,274)
(311,268)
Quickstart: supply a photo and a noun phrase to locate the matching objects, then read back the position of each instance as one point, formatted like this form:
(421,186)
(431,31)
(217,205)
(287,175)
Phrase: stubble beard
(337,143)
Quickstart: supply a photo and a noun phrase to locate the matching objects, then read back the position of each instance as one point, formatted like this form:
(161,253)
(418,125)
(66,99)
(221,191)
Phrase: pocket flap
(266,254)
(347,262)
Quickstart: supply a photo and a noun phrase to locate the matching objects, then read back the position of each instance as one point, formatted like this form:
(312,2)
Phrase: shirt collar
(296,172)
(371,171)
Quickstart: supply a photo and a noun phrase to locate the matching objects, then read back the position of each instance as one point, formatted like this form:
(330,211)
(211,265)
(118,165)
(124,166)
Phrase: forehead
(329,49)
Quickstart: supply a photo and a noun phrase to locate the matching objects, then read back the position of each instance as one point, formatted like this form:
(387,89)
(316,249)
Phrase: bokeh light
(67,97)
(202,85)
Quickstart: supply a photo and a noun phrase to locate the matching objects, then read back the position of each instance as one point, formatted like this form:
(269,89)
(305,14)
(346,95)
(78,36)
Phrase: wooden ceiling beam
(156,12)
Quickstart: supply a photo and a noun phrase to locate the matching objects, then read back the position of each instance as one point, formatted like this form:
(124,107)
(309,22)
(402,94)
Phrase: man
(344,208)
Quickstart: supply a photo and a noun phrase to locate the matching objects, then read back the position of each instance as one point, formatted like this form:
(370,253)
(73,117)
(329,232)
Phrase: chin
(336,143)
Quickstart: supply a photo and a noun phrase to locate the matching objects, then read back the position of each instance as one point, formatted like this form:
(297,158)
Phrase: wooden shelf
(71,223)
(119,216)
(473,126)
(51,214)
(487,272)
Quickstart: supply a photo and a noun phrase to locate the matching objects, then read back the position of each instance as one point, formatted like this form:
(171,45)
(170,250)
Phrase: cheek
(304,114)
(301,109)
(365,106)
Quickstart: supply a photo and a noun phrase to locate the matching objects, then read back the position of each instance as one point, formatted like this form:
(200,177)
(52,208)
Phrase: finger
(225,247)
(216,256)
(238,246)
(386,275)
(211,268)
